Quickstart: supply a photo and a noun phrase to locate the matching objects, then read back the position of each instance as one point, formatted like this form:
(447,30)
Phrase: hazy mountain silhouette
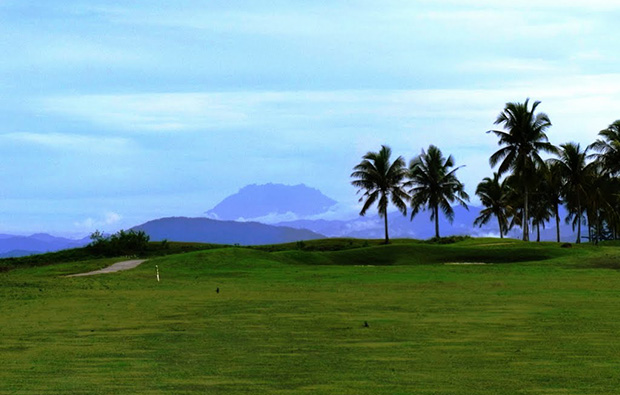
(206,230)
(371,226)
(267,203)
(14,246)
(256,201)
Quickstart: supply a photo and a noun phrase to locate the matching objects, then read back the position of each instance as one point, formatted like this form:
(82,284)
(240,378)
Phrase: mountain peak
(256,201)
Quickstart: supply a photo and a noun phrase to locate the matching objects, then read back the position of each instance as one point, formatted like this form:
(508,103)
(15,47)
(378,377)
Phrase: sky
(113,113)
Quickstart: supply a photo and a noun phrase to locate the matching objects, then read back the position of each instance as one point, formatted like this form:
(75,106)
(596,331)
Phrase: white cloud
(592,5)
(71,142)
(271,218)
(506,65)
(107,220)
(304,115)
(149,112)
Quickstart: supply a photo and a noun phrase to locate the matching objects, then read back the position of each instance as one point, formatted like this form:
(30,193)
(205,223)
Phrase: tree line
(525,191)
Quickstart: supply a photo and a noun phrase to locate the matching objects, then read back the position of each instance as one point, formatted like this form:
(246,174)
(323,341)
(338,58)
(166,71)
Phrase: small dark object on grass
(366,324)
(566,245)
(217,290)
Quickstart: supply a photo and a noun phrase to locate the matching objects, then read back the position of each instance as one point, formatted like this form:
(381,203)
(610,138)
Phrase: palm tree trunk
(436,209)
(526,218)
(501,233)
(537,232)
(387,238)
(599,227)
(578,221)
(557,223)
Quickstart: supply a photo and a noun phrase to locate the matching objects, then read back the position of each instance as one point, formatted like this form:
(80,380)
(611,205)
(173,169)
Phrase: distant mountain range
(206,230)
(257,201)
(267,203)
(16,246)
(372,227)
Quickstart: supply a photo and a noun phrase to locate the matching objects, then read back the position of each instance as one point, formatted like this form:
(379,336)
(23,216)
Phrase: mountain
(206,230)
(14,246)
(257,201)
(371,226)
(18,253)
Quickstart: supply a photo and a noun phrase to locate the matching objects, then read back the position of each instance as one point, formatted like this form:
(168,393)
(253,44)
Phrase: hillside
(204,230)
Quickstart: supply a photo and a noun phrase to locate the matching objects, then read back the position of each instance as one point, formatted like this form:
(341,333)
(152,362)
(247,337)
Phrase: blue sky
(113,113)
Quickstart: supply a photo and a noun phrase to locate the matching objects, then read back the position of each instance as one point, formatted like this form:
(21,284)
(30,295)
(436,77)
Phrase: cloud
(304,114)
(508,65)
(593,5)
(299,136)
(271,218)
(149,112)
(109,219)
(71,142)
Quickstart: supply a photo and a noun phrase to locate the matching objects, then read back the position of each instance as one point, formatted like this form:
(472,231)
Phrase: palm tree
(613,216)
(541,208)
(601,206)
(552,188)
(494,195)
(523,138)
(609,148)
(434,186)
(381,181)
(571,165)
(515,200)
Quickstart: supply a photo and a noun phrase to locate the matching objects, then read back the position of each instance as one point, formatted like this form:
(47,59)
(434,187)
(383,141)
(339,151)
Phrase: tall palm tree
(522,139)
(541,208)
(494,196)
(552,188)
(601,209)
(434,185)
(608,148)
(515,199)
(613,216)
(382,181)
(572,166)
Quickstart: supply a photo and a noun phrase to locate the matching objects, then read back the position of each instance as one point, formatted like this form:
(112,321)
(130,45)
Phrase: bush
(447,240)
(122,243)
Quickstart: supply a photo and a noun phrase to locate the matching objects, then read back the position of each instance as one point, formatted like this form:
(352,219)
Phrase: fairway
(526,318)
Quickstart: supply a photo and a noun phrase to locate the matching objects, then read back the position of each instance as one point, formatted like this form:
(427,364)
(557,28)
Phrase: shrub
(121,243)
(447,240)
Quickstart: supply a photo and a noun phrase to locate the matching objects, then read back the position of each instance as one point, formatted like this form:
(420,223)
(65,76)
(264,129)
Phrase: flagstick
(157,268)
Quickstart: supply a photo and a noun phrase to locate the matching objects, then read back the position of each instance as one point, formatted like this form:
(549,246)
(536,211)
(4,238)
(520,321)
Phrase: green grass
(154,249)
(536,318)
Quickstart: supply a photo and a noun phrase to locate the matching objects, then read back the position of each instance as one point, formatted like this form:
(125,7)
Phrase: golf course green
(478,316)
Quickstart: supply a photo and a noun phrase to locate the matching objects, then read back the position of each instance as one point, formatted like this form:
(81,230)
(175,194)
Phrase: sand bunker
(117,267)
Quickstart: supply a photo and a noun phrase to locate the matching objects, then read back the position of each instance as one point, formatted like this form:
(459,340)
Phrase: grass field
(535,319)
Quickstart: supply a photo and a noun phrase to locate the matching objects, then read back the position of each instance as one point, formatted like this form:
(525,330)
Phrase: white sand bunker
(466,263)
(117,267)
